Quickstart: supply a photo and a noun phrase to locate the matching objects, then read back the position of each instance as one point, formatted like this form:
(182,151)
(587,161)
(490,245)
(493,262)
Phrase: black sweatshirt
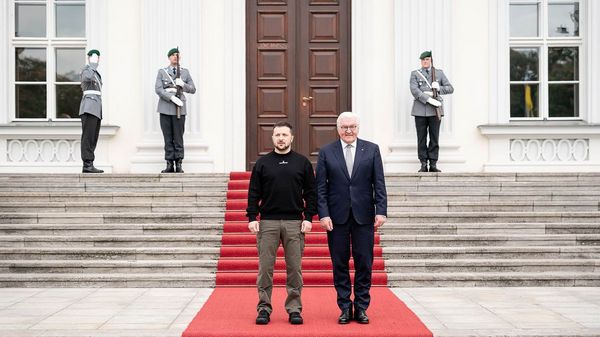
(280,186)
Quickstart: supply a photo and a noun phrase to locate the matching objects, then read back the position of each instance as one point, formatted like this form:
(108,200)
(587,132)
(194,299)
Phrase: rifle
(438,110)
(179,89)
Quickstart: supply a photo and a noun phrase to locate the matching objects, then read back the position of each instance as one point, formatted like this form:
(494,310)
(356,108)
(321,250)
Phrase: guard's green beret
(93,51)
(172,51)
(425,54)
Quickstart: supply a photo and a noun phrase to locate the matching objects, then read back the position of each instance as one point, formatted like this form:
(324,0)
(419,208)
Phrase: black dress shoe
(263,317)
(345,317)
(361,317)
(295,318)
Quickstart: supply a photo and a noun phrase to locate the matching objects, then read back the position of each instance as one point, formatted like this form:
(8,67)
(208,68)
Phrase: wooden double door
(298,70)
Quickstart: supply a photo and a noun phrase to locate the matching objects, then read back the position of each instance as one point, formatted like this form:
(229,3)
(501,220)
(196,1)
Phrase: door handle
(305,100)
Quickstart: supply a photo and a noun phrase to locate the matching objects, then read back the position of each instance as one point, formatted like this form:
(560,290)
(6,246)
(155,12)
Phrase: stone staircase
(110,230)
(151,230)
(493,229)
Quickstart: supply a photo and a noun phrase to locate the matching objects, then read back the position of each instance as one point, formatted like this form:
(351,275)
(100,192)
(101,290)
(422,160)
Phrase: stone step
(492,265)
(108,186)
(95,267)
(113,177)
(111,229)
(115,280)
(489,279)
(487,186)
(488,217)
(491,176)
(106,218)
(112,253)
(492,206)
(112,207)
(146,241)
(492,252)
(493,196)
(116,197)
(491,240)
(488,228)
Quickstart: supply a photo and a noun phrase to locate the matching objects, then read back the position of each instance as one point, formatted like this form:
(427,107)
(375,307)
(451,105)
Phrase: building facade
(523,71)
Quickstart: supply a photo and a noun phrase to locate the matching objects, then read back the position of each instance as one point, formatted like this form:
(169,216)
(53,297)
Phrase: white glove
(430,93)
(179,82)
(177,101)
(435,85)
(434,102)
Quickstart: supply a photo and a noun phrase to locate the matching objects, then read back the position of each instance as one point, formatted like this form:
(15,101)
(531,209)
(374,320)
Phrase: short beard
(285,149)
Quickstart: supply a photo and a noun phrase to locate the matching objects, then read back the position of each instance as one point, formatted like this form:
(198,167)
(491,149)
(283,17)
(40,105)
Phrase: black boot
(423,166)
(178,168)
(433,166)
(88,167)
(169,169)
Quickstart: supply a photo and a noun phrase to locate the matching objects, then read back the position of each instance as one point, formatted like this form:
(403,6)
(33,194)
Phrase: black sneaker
(263,317)
(295,318)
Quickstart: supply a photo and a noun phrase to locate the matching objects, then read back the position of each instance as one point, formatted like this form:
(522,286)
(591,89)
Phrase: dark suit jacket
(365,192)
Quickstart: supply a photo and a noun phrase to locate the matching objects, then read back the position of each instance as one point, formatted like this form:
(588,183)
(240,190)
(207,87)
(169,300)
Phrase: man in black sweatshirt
(283,191)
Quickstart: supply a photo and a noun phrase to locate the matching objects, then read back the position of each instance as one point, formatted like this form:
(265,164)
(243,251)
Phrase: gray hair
(348,115)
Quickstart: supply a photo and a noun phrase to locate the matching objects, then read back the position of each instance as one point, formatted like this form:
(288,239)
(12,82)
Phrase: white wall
(470,77)
(118,39)
(372,69)
(387,37)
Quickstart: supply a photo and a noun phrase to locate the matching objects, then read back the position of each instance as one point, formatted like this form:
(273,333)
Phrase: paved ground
(506,311)
(162,312)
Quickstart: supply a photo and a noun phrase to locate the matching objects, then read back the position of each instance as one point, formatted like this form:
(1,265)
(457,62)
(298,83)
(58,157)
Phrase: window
(545,48)
(49,52)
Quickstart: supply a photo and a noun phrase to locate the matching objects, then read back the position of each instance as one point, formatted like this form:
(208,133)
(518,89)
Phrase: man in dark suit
(352,203)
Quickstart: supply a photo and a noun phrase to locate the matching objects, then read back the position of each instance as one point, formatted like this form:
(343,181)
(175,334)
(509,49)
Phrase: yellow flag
(528,101)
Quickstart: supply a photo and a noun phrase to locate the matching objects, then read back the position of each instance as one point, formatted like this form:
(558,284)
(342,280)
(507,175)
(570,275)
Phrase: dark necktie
(174,72)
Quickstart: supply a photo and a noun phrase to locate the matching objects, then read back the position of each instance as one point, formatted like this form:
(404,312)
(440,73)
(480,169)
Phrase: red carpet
(238,263)
(230,312)
(231,309)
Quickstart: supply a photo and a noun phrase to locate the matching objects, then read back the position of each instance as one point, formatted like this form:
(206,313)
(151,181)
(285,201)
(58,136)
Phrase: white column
(372,61)
(167,24)
(498,108)
(593,55)
(234,137)
(421,25)
(4,70)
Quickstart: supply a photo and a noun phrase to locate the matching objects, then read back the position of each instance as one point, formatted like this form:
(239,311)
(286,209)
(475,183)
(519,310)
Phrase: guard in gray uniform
(424,110)
(90,111)
(172,128)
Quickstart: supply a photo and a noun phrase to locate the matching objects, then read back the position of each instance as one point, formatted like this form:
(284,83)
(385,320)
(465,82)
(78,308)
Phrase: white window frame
(51,43)
(542,43)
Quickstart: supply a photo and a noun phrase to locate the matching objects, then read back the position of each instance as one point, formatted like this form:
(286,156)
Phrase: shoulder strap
(169,76)
(97,79)
(423,76)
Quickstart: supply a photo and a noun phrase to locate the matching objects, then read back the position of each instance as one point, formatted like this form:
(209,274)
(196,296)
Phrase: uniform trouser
(267,240)
(362,237)
(424,126)
(90,129)
(172,130)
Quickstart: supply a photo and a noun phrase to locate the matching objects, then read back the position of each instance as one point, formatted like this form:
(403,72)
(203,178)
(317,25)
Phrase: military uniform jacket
(165,88)
(91,103)
(418,86)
